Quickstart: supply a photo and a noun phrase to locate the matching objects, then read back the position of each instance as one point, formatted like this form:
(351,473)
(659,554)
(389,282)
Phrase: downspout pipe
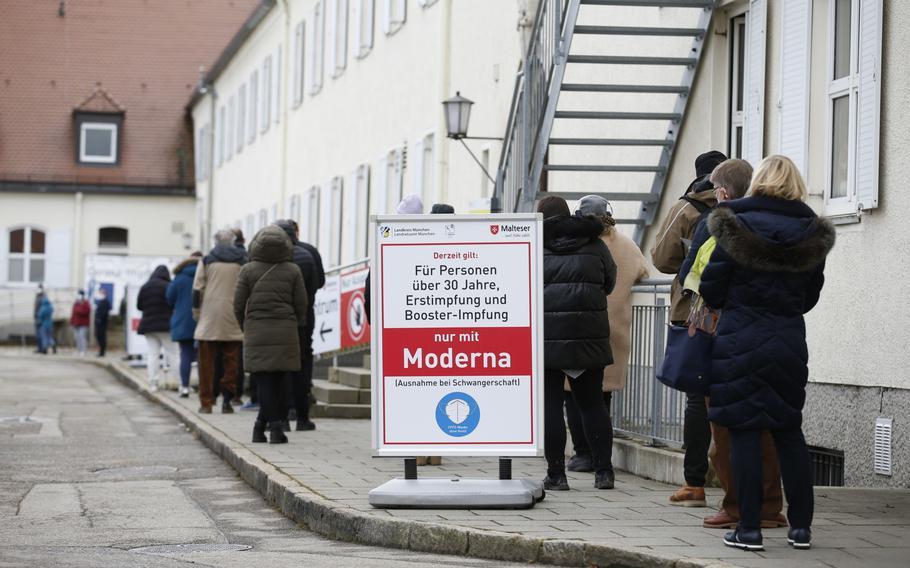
(445,90)
(283,97)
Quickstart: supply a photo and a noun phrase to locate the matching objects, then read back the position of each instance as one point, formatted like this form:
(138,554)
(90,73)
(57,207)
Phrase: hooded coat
(45,313)
(270,303)
(152,302)
(766,271)
(578,273)
(180,299)
(213,294)
(82,313)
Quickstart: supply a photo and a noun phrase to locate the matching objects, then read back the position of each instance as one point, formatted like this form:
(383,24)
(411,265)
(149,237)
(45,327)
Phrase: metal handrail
(530,101)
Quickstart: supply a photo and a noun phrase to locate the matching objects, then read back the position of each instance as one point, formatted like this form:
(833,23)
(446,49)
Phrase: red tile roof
(141,57)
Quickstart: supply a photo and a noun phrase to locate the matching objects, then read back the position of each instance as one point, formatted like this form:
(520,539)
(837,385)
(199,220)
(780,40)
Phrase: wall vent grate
(882,461)
(827,466)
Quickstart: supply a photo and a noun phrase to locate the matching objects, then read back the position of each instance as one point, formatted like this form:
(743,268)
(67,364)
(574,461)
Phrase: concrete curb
(323,516)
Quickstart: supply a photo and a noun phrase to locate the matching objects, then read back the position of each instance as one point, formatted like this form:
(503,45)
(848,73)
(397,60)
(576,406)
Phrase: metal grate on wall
(827,466)
(882,459)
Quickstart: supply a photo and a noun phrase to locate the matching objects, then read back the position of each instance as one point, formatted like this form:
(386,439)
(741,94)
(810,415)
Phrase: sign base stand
(457,492)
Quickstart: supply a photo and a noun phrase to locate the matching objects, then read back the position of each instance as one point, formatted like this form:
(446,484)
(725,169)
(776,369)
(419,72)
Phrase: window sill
(846,218)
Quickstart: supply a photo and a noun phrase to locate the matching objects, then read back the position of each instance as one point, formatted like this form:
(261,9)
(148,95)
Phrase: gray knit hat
(593,205)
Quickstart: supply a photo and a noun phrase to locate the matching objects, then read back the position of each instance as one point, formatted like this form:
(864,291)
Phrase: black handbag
(687,359)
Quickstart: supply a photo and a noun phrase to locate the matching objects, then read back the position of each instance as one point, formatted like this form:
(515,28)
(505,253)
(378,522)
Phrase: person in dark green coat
(270,304)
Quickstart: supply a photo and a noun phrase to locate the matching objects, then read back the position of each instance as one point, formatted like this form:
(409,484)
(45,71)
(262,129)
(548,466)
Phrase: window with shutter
(337,36)
(362,27)
(253,125)
(737,90)
(298,58)
(854,105)
(394,15)
(315,48)
(276,86)
(311,215)
(754,95)
(382,187)
(241,118)
(219,137)
(229,130)
(266,96)
(796,36)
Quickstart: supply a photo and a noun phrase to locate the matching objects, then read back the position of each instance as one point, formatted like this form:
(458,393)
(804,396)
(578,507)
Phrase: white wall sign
(327,305)
(116,272)
(457,336)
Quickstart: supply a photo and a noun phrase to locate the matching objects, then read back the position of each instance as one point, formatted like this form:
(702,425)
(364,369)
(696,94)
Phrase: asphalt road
(92,474)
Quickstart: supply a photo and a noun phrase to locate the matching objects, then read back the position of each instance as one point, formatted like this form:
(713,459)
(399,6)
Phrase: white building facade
(327,111)
(821,82)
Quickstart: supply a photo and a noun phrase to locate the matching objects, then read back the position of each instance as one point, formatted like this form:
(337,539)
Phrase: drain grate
(137,470)
(190,548)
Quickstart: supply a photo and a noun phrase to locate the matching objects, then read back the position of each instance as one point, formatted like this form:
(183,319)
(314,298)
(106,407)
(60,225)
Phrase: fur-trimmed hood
(772,235)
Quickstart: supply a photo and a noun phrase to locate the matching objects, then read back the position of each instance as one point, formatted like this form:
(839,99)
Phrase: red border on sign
(382,308)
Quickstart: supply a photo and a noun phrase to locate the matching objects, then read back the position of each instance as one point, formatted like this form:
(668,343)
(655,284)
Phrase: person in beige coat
(217,330)
(631,267)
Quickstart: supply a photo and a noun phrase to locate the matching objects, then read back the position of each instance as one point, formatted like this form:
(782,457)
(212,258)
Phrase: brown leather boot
(687,496)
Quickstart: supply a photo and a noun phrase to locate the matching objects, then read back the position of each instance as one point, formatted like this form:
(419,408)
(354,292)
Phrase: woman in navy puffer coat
(766,272)
(180,298)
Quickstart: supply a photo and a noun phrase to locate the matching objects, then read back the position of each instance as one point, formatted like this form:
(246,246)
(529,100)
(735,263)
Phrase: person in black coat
(578,273)
(102,313)
(155,324)
(765,273)
(307,258)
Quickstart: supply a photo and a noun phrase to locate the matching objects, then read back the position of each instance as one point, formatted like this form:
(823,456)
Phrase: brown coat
(631,267)
(672,245)
(214,285)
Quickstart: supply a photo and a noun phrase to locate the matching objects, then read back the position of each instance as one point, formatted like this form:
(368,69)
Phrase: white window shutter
(401,11)
(868,103)
(367,18)
(387,16)
(341,39)
(57,257)
(754,111)
(356,27)
(350,218)
(382,187)
(276,88)
(295,85)
(796,36)
(331,28)
(399,174)
(417,160)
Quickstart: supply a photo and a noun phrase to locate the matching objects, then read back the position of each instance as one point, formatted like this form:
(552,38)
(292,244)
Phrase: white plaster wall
(857,333)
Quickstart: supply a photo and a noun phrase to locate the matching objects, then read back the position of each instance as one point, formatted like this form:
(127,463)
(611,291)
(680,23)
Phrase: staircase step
(638,31)
(321,410)
(609,142)
(609,196)
(622,221)
(331,393)
(652,3)
(630,60)
(600,168)
(355,377)
(583,114)
(594,88)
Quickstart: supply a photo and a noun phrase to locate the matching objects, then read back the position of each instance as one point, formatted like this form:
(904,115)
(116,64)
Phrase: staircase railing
(533,103)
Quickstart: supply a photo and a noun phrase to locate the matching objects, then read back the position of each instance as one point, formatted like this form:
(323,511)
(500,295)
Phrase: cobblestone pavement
(852,528)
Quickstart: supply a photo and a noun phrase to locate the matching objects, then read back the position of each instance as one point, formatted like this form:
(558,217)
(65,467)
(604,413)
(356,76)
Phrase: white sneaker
(153,387)
(184,392)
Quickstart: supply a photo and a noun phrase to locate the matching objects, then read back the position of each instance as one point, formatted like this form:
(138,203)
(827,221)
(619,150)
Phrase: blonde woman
(765,273)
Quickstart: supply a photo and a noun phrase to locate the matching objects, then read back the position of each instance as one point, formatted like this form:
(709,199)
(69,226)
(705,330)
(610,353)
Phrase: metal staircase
(597,106)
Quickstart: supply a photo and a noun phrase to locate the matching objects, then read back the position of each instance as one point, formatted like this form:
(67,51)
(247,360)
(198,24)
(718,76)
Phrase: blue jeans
(187,356)
(45,338)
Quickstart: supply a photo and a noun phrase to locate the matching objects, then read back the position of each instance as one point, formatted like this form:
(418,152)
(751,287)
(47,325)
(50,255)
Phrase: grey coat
(270,304)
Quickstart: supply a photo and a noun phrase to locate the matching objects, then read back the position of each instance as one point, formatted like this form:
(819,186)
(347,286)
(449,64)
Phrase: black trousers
(573,417)
(271,385)
(101,337)
(302,380)
(795,470)
(697,440)
(587,392)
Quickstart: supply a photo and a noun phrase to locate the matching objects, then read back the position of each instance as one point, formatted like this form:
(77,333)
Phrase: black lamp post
(457,111)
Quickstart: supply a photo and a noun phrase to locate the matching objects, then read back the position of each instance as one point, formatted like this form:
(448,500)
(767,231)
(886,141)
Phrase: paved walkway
(853,527)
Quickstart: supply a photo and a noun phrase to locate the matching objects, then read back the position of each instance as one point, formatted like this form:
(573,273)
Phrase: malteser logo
(494,229)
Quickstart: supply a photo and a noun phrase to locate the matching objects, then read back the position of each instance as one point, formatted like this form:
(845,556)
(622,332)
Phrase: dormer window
(98,143)
(98,126)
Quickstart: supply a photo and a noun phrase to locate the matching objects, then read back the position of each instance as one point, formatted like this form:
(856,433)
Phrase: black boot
(286,425)
(276,435)
(305,425)
(259,432)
